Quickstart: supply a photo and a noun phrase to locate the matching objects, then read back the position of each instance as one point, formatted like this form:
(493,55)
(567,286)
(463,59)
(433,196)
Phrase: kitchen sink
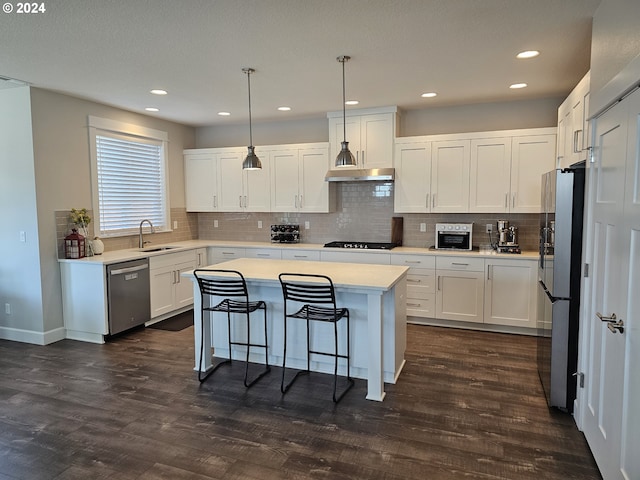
(158,248)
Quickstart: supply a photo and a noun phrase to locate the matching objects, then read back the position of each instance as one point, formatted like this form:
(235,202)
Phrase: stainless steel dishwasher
(128,293)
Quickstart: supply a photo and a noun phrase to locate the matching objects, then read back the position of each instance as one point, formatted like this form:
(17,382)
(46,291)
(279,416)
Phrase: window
(128,170)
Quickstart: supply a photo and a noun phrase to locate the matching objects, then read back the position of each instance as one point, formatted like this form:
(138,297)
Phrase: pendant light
(252,162)
(345,157)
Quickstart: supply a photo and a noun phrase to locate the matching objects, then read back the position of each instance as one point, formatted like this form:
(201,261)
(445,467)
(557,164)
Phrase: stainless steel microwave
(454,236)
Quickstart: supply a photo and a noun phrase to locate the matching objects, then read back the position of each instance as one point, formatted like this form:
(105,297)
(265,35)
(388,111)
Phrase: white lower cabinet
(310,255)
(510,292)
(460,289)
(170,292)
(421,290)
(272,253)
(222,254)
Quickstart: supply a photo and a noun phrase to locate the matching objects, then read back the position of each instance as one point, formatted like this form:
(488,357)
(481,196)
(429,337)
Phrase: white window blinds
(130,182)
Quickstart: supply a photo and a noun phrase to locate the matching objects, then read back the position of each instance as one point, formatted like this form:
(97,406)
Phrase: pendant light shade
(345,157)
(251,162)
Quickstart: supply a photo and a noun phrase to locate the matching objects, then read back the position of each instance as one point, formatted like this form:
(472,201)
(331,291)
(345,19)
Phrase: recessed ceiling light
(518,85)
(429,95)
(157,91)
(528,54)
(152,109)
(284,109)
(224,114)
(351,102)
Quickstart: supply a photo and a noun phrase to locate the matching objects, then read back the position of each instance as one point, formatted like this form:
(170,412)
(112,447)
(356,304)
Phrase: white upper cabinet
(483,172)
(412,191)
(297,179)
(490,175)
(450,168)
(532,155)
(573,127)
(201,181)
(215,181)
(370,133)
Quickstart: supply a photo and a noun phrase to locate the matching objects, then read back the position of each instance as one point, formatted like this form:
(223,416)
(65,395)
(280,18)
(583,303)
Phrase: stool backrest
(307,288)
(231,283)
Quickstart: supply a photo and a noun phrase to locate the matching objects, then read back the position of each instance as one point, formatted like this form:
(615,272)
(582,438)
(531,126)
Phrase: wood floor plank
(467,405)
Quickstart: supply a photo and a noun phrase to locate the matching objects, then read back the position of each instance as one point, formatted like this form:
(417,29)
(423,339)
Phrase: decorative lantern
(74,245)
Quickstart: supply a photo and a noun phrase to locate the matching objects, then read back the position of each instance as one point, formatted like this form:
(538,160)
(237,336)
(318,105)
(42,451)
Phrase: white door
(230,193)
(284,181)
(631,275)
(604,372)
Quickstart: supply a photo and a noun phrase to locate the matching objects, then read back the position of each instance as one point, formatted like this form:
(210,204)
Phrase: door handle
(363,158)
(433,200)
(215,201)
(612,321)
(506,200)
(426,203)
(300,201)
(575,141)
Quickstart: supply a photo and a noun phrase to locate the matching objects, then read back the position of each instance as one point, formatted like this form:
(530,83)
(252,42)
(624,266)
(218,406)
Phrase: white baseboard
(30,336)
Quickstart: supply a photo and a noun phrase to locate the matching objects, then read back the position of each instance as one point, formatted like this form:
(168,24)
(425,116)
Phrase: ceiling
(116,51)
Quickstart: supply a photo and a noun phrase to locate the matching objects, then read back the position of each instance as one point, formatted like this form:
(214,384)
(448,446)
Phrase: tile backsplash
(363,213)
(187,229)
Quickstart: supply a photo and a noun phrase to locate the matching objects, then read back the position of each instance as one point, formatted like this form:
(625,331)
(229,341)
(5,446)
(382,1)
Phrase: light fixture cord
(249,86)
(344,105)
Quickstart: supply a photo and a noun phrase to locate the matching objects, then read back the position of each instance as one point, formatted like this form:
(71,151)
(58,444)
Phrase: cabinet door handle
(409,280)
(215,201)
(433,200)
(240,200)
(488,272)
(575,141)
(177,276)
(412,261)
(363,158)
(245,201)
(300,201)
(506,200)
(295,201)
(357,157)
(426,203)
(264,255)
(513,199)
(301,256)
(460,264)
(416,305)
(439,283)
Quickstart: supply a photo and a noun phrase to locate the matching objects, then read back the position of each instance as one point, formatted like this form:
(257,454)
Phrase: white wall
(45,167)
(429,121)
(19,261)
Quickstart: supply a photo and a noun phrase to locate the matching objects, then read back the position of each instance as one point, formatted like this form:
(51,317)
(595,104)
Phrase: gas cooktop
(363,245)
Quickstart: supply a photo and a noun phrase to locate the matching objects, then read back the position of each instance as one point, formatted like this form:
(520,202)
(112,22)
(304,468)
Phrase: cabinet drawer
(460,263)
(420,285)
(422,307)
(222,254)
(414,262)
(263,253)
(290,254)
(171,259)
(355,257)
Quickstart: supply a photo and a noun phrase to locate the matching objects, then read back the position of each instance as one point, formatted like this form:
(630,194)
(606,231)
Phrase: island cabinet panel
(510,293)
(169,291)
(355,257)
(263,253)
(296,254)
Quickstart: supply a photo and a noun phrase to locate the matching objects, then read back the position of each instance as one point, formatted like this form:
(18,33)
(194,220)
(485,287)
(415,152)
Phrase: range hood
(360,175)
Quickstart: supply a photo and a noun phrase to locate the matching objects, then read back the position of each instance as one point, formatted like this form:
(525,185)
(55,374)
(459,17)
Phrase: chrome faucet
(141,241)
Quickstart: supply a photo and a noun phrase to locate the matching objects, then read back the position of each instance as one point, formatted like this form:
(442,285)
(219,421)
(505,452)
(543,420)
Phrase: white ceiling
(115,51)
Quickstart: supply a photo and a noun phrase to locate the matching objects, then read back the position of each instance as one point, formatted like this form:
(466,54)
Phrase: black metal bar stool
(232,287)
(317,296)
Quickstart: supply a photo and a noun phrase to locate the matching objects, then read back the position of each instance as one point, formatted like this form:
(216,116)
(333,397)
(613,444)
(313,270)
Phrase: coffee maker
(507,238)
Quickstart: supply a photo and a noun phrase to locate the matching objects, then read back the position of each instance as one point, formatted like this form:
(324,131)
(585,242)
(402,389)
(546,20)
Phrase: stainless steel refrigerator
(559,283)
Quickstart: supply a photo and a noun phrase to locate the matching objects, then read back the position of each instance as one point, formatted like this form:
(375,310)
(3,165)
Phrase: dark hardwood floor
(467,405)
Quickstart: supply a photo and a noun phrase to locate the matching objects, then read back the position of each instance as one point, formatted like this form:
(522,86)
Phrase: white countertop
(343,275)
(116,256)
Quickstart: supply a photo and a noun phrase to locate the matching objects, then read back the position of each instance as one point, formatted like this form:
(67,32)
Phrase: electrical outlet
(489,227)
(175,224)
(259,223)
(306,225)
(7,308)
(423,227)
(215,224)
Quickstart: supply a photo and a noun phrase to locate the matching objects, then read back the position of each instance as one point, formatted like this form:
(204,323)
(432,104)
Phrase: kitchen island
(374,294)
